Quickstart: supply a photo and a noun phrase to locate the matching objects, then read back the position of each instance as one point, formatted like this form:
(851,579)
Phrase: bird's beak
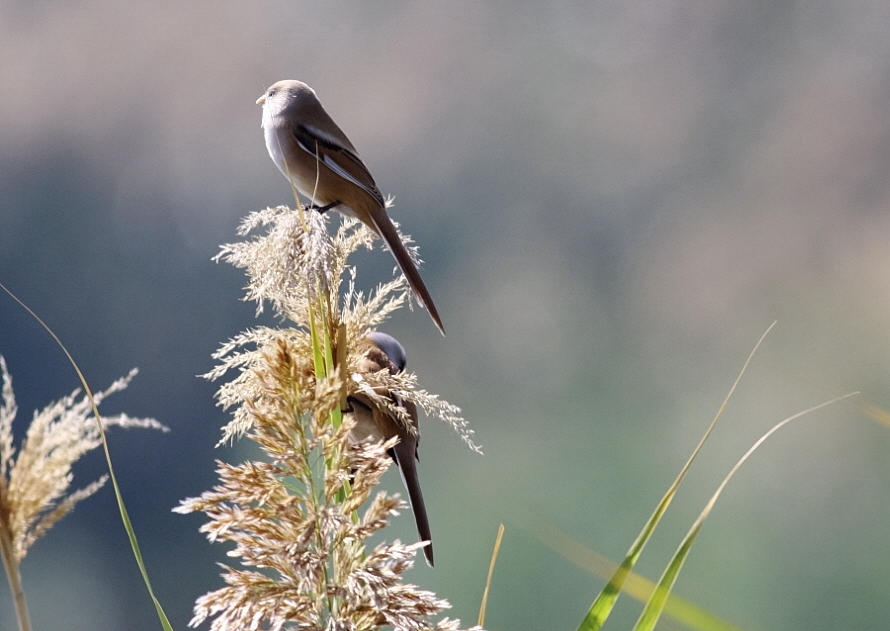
(261,100)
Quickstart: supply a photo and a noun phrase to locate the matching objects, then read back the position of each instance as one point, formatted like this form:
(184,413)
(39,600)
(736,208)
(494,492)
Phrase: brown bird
(378,423)
(318,159)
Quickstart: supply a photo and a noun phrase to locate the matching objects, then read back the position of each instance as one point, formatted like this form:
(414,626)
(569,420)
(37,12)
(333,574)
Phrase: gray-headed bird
(378,423)
(318,159)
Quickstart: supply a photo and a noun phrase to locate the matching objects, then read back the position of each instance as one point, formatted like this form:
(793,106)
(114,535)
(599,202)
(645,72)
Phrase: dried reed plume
(300,520)
(34,483)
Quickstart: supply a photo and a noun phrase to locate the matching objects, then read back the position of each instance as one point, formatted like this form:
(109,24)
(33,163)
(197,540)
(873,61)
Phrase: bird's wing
(340,158)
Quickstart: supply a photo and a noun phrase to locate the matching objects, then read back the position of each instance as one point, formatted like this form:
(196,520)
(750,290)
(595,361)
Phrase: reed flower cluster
(35,478)
(34,482)
(301,518)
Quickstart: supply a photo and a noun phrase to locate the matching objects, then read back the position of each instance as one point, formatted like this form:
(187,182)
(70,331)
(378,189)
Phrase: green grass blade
(652,611)
(636,586)
(317,352)
(656,604)
(125,517)
(601,608)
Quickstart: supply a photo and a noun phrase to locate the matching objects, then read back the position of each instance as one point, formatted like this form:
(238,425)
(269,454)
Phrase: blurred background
(613,199)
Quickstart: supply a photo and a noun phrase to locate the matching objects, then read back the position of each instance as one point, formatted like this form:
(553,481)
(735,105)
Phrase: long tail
(384,227)
(406,458)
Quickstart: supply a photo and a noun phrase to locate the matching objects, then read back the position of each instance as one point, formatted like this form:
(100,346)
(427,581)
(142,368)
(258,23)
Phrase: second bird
(318,159)
(372,421)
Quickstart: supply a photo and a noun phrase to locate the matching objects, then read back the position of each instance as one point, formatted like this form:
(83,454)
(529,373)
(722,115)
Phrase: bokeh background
(614,199)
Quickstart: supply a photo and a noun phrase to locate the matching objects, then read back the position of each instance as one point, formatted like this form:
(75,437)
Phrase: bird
(315,155)
(384,352)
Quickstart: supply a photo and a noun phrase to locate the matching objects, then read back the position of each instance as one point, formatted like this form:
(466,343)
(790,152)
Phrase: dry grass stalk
(34,482)
(300,520)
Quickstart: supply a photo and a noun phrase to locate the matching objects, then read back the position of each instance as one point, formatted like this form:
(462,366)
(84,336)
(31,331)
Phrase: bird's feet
(323,209)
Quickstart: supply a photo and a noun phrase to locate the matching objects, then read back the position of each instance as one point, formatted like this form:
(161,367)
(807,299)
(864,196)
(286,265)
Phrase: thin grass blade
(601,608)
(655,606)
(125,517)
(636,586)
(494,558)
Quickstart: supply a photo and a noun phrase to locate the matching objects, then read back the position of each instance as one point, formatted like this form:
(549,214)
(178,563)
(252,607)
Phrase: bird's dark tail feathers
(406,459)
(390,235)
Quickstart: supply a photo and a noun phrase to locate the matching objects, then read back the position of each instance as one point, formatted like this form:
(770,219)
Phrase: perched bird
(318,159)
(377,423)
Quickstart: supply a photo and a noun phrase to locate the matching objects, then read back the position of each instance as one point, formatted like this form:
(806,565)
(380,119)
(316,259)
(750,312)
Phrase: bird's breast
(273,143)
(365,428)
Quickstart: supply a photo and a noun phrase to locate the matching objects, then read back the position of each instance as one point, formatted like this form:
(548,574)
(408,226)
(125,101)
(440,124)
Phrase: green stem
(15,580)
(318,356)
